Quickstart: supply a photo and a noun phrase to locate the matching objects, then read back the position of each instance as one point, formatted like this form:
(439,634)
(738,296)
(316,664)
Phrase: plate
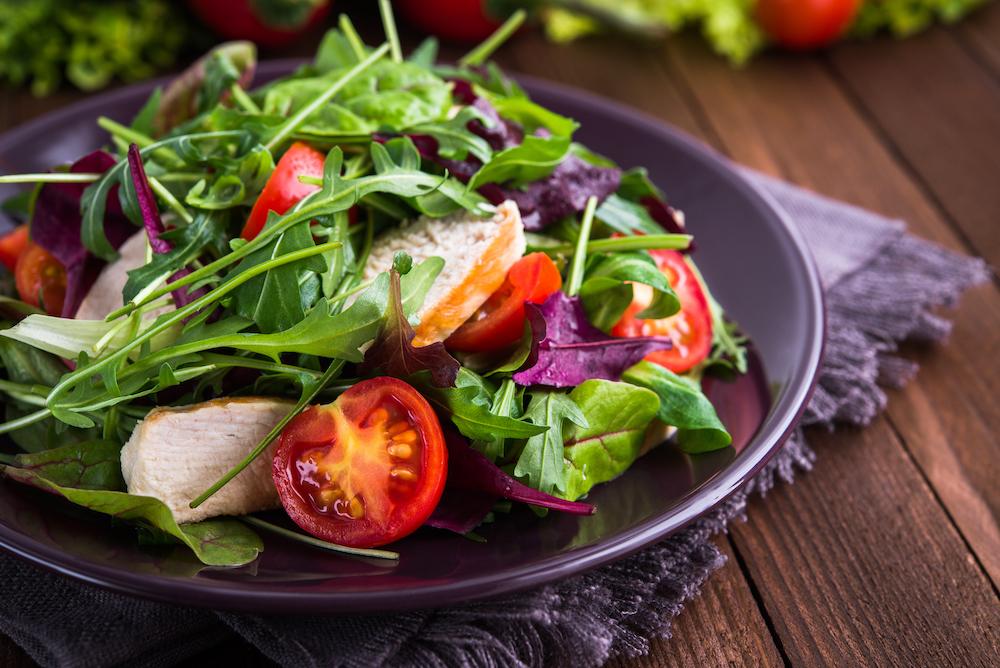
(758,267)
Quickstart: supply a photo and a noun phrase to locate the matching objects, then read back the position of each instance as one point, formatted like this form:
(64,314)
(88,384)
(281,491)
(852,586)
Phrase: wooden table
(888,553)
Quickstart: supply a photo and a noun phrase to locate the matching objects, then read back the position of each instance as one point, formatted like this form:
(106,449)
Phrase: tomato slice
(365,470)
(41,279)
(12,245)
(500,321)
(690,329)
(284,190)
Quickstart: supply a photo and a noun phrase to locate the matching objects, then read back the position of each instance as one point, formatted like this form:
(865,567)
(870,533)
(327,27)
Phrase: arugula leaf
(534,159)
(682,405)
(454,138)
(542,459)
(619,414)
(533,116)
(608,272)
(625,216)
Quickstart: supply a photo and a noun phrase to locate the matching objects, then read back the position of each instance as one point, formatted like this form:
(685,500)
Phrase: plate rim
(223,595)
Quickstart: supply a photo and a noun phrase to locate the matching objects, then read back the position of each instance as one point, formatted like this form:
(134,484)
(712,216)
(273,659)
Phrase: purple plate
(758,267)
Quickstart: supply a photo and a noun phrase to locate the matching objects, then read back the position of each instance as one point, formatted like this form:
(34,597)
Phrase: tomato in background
(453,20)
(268,23)
(367,469)
(805,24)
(690,329)
(41,279)
(500,321)
(12,245)
(283,189)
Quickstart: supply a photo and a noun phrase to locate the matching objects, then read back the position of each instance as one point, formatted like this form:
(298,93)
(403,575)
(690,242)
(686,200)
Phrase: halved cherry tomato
(690,329)
(365,470)
(41,279)
(500,321)
(12,245)
(284,190)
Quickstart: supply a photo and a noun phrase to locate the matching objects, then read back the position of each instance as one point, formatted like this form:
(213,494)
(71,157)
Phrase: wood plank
(721,627)
(941,110)
(12,656)
(981,31)
(893,586)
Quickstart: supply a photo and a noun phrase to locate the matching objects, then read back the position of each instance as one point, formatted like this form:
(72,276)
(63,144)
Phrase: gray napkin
(880,285)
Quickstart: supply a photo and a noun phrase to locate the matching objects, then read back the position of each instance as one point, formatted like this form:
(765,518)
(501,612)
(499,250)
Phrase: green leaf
(619,414)
(603,291)
(533,116)
(468,406)
(534,159)
(90,465)
(454,139)
(682,405)
(542,459)
(216,542)
(626,217)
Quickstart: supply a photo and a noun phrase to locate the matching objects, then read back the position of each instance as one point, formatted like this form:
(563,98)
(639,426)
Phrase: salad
(555,326)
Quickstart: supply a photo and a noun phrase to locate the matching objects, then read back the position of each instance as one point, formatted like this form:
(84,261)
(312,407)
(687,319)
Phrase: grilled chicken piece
(175,454)
(477,252)
(105,296)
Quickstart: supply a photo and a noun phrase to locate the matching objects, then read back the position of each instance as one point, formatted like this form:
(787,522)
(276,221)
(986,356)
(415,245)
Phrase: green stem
(309,540)
(357,46)
(242,99)
(479,54)
(171,201)
(303,401)
(57,177)
(120,131)
(29,419)
(293,123)
(580,253)
(389,23)
(625,244)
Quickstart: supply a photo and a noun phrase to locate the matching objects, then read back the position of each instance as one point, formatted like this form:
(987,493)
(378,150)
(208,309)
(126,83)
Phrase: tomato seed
(403,473)
(400,450)
(408,436)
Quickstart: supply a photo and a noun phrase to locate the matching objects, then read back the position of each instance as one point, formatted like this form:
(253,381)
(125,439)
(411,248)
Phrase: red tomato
(452,20)
(500,321)
(12,245)
(41,279)
(240,19)
(365,470)
(284,190)
(690,329)
(805,24)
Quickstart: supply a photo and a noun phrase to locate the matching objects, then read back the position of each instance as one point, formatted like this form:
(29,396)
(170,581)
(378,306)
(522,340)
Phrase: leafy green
(619,414)
(534,159)
(542,459)
(682,405)
(91,465)
(606,296)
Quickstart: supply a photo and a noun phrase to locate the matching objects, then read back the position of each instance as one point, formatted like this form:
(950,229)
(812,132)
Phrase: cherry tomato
(284,190)
(690,329)
(41,279)
(12,245)
(365,470)
(500,321)
(452,20)
(241,19)
(805,24)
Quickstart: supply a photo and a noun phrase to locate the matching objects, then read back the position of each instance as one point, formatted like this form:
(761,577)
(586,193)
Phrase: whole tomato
(268,23)
(805,24)
(452,20)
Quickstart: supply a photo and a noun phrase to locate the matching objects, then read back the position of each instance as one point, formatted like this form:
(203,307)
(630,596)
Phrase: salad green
(402,138)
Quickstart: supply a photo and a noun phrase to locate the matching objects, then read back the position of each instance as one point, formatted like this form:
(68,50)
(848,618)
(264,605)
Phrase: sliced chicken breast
(175,454)
(478,253)
(106,294)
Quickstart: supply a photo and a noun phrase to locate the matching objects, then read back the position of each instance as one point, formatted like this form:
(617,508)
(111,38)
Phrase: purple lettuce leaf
(393,349)
(574,350)
(154,227)
(56,223)
(475,484)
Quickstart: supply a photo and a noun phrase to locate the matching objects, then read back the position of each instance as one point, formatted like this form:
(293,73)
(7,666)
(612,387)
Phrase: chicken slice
(478,253)
(175,454)
(105,296)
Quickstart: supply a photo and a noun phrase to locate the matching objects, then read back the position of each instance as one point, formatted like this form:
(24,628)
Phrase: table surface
(888,553)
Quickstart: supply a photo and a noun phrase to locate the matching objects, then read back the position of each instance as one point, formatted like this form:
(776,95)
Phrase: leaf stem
(242,99)
(316,542)
(169,198)
(57,177)
(624,244)
(479,54)
(29,419)
(389,23)
(357,46)
(307,396)
(293,123)
(580,253)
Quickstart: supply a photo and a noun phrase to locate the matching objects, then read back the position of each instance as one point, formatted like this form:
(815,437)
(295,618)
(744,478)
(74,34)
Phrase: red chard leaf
(574,351)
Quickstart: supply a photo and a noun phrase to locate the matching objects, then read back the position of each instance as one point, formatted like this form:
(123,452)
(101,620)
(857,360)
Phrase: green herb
(542,460)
